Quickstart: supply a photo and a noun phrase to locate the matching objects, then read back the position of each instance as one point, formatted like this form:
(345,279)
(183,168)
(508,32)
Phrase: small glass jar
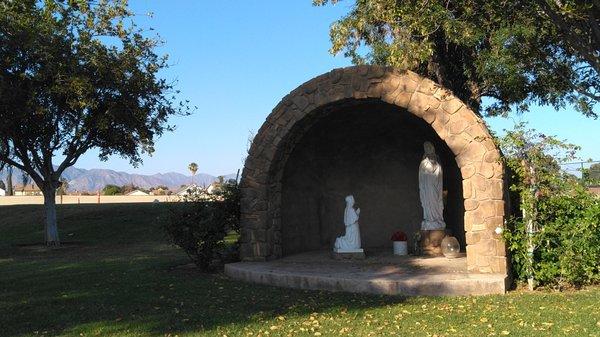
(450,247)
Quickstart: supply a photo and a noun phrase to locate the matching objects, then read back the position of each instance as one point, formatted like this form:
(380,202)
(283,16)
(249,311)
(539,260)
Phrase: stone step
(373,280)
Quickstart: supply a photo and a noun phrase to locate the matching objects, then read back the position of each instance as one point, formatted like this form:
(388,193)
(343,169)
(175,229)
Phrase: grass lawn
(120,278)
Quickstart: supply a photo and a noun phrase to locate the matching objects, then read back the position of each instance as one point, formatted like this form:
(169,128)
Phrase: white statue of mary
(351,240)
(430,190)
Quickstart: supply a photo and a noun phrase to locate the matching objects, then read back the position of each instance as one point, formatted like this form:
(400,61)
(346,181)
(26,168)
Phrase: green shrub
(567,245)
(554,239)
(200,223)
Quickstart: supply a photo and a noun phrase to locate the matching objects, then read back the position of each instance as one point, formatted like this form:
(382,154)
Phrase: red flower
(399,236)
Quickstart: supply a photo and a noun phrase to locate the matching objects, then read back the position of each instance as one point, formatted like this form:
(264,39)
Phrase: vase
(400,248)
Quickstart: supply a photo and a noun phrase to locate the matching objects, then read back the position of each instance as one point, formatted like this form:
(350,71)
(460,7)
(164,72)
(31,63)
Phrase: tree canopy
(77,75)
(515,53)
(595,172)
(591,175)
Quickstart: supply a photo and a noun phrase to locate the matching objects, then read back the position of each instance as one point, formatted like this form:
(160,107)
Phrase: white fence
(87,199)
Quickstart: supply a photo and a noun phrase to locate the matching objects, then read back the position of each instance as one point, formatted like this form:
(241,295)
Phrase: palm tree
(64,186)
(62,189)
(193,167)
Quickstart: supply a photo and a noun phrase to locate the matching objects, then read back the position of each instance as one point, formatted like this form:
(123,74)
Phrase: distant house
(27,190)
(137,193)
(594,189)
(2,192)
(213,187)
(218,185)
(187,190)
(160,191)
(205,193)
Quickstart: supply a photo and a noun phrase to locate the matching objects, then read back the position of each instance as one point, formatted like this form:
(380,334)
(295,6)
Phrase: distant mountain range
(95,179)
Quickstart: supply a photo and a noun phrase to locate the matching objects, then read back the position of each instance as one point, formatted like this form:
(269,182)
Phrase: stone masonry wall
(463,131)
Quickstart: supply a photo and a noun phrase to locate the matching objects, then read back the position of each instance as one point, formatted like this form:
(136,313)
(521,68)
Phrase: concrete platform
(379,273)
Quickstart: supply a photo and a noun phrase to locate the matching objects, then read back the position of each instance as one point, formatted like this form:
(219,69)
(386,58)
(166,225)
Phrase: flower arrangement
(399,236)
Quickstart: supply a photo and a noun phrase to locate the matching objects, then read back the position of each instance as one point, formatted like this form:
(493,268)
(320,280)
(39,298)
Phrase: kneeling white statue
(349,242)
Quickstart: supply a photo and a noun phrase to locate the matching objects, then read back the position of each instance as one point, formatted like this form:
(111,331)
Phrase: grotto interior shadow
(369,149)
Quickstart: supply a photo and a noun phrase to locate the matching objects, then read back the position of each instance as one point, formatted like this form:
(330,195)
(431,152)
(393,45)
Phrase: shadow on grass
(118,289)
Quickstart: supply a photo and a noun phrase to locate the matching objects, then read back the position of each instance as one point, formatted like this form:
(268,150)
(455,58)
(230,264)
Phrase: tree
(24,181)
(577,23)
(594,172)
(193,167)
(64,186)
(591,175)
(128,188)
(77,75)
(555,239)
(2,185)
(513,52)
(9,183)
(534,160)
(111,190)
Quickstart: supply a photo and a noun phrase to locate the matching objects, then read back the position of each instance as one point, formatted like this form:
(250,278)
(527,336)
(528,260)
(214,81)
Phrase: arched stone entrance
(413,104)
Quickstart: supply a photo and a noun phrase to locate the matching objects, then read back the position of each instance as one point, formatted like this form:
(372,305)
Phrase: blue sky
(236,59)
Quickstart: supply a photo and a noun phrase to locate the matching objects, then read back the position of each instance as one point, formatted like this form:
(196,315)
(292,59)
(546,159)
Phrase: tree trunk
(9,187)
(445,66)
(51,229)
